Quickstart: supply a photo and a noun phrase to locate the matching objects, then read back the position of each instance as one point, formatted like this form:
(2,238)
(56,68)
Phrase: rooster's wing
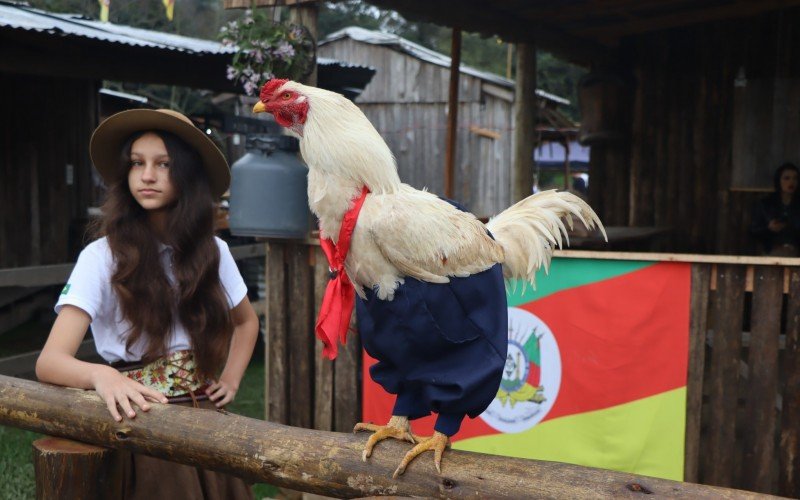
(426,237)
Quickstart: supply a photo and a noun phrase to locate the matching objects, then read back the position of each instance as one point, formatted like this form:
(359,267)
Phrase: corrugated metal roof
(426,54)
(22,17)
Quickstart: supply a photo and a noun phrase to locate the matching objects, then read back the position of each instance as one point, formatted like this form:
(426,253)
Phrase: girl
(166,304)
(776,219)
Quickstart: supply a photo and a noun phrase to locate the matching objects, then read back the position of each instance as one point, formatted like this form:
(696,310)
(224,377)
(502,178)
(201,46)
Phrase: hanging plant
(267,49)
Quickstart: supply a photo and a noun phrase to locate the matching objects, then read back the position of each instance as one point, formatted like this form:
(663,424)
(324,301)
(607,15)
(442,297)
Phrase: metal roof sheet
(23,17)
(426,54)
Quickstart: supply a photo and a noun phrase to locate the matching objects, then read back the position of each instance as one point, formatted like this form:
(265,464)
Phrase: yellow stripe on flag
(652,439)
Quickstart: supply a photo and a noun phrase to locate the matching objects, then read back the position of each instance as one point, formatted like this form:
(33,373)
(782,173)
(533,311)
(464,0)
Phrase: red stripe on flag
(621,339)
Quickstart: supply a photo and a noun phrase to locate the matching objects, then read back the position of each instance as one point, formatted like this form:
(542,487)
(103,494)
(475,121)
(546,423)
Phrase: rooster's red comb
(270,87)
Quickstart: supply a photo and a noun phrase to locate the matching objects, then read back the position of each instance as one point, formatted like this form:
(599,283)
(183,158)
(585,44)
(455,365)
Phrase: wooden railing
(743,390)
(301,459)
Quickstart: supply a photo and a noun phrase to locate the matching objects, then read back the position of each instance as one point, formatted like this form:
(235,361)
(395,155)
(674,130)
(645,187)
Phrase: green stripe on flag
(570,273)
(642,437)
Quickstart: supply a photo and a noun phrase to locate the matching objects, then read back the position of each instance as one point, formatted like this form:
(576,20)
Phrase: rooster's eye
(286,96)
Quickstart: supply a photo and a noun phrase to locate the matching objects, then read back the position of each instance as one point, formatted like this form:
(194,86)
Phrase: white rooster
(429,276)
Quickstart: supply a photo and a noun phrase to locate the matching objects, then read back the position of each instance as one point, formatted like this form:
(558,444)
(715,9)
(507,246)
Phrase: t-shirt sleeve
(89,281)
(229,276)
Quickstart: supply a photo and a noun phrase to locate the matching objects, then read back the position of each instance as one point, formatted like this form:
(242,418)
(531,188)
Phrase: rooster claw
(397,428)
(437,443)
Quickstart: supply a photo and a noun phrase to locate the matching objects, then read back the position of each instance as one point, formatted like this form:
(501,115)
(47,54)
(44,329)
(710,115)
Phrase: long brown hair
(149,302)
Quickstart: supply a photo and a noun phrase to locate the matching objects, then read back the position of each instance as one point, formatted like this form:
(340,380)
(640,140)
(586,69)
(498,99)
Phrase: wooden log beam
(315,461)
(524,123)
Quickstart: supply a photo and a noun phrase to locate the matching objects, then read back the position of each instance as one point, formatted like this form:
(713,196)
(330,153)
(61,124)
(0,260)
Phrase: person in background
(776,220)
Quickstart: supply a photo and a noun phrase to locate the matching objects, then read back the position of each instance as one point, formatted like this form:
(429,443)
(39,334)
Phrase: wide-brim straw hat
(108,138)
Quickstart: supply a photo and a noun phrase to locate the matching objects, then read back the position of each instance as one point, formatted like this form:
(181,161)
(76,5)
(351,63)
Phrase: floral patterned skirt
(146,477)
(173,375)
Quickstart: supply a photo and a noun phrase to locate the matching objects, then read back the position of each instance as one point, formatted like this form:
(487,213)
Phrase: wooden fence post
(69,469)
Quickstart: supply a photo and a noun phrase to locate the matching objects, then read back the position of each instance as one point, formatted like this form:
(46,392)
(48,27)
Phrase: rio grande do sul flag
(596,370)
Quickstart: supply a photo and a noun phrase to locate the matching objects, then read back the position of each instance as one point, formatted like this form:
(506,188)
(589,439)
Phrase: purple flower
(249,87)
(284,51)
(257,55)
(231,74)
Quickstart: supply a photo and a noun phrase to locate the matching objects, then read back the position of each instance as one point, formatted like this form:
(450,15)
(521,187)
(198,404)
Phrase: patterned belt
(173,375)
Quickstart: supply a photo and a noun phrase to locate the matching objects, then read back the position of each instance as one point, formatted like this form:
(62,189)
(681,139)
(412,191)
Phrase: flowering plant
(266,49)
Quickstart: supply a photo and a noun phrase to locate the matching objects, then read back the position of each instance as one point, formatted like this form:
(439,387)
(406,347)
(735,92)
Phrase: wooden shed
(407,103)
(701,98)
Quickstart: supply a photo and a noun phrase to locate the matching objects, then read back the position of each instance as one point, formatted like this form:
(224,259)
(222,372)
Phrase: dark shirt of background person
(776,219)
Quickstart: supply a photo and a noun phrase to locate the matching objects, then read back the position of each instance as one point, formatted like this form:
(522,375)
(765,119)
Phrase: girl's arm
(245,333)
(57,365)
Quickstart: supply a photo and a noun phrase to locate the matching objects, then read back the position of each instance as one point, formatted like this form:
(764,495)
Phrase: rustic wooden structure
(743,391)
(407,102)
(706,114)
(314,461)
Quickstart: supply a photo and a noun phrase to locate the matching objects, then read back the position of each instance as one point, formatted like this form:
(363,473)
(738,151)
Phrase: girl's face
(789,181)
(148,177)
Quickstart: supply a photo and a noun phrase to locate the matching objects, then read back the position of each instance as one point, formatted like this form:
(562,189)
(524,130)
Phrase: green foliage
(195,18)
(16,464)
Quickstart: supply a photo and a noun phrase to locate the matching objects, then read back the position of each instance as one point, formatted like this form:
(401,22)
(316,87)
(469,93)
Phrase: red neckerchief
(340,295)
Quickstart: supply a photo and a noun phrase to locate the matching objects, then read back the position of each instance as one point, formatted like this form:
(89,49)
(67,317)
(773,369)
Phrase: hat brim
(109,137)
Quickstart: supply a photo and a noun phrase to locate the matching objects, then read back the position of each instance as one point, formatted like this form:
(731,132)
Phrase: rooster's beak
(259,107)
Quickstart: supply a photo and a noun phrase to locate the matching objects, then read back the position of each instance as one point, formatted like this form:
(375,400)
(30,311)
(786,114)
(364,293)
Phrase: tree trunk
(68,469)
(315,461)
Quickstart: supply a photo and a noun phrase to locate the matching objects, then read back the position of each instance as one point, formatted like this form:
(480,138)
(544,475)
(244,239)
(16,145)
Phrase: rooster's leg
(397,428)
(438,442)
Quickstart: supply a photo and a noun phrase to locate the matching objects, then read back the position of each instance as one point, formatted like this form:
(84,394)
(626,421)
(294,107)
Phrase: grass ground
(16,465)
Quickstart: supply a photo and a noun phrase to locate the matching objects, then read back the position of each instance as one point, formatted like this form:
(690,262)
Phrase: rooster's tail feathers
(530,230)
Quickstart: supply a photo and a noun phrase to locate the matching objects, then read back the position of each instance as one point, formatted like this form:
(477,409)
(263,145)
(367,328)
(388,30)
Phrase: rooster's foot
(438,442)
(397,428)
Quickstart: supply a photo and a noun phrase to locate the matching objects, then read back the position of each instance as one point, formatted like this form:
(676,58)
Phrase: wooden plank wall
(46,125)
(744,378)
(743,390)
(303,389)
(407,103)
(679,168)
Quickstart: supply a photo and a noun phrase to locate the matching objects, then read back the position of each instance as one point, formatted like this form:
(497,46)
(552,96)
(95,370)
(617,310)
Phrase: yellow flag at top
(104,9)
(170,6)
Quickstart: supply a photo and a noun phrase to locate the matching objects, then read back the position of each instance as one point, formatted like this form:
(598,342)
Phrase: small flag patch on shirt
(66,289)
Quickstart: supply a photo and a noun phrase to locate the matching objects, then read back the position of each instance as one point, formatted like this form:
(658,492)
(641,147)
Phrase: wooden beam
(452,112)
(57,274)
(305,13)
(683,18)
(313,461)
(54,274)
(524,123)
(248,4)
(489,19)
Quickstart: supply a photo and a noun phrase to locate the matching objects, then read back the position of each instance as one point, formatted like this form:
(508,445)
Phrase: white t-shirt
(89,288)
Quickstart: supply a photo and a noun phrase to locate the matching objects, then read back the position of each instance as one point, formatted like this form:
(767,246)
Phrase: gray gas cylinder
(269,190)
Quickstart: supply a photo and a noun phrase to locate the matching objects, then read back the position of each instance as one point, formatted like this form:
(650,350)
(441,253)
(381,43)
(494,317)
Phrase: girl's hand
(221,392)
(117,389)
